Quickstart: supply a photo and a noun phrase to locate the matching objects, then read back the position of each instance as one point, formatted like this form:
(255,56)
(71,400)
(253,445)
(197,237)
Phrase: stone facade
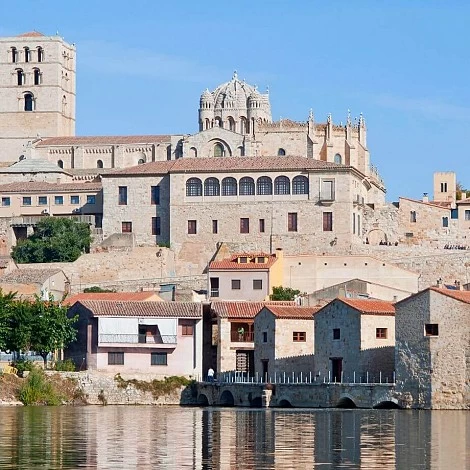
(433,349)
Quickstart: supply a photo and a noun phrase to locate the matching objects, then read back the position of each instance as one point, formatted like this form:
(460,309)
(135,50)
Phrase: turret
(206,110)
(362,131)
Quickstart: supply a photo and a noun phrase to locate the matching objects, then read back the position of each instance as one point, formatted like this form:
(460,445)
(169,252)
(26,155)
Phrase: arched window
(20,77)
(231,123)
(229,187)
(241,151)
(40,54)
(37,77)
(208,124)
(27,54)
(14,55)
(247,186)
(219,150)
(264,185)
(338,159)
(211,187)
(282,185)
(242,125)
(28,102)
(300,185)
(281,152)
(194,187)
(219,122)
(60,164)
(141,161)
(193,152)
(99,164)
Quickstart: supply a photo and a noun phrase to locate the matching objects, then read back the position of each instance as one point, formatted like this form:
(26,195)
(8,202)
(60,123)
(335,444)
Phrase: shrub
(22,365)
(65,366)
(37,390)
(96,289)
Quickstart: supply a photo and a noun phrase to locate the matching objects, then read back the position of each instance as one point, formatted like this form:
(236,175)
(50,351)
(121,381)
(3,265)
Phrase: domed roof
(207,95)
(235,90)
(255,94)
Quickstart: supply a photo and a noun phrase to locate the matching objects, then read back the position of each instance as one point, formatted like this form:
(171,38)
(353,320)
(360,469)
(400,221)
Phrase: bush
(65,366)
(37,390)
(22,365)
(96,289)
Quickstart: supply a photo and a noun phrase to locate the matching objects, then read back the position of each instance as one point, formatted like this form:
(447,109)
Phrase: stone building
(433,349)
(284,340)
(355,340)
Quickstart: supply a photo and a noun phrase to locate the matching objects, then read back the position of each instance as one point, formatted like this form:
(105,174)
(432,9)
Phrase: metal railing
(214,292)
(136,339)
(247,337)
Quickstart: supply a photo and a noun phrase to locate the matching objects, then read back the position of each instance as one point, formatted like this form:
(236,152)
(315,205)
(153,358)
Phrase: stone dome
(235,90)
(207,96)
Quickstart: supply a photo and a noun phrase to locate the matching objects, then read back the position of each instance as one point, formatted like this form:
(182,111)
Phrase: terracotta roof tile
(370,306)
(232,263)
(242,309)
(30,34)
(105,140)
(116,296)
(41,186)
(462,295)
(293,313)
(29,276)
(112,308)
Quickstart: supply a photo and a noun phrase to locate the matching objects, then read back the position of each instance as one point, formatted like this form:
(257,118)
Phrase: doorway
(336,368)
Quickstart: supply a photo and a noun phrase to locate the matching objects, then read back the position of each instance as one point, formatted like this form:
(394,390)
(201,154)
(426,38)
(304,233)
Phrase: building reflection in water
(227,438)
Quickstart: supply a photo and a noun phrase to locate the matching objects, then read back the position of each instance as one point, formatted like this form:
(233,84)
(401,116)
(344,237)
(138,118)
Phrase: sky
(142,66)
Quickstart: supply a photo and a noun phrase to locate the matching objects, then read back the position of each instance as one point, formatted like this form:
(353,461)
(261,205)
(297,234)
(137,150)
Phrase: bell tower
(37,86)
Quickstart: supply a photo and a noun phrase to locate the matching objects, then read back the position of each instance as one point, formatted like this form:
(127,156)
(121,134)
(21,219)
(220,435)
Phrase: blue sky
(404,64)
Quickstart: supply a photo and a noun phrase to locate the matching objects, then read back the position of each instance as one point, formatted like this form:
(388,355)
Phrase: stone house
(158,338)
(233,334)
(432,349)
(355,340)
(284,340)
(245,276)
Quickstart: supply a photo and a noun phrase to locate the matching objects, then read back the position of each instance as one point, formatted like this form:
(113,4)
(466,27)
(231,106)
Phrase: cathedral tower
(37,89)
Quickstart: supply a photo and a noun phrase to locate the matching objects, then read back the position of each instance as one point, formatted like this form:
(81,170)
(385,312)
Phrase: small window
(158,359)
(20,78)
(327,221)
(99,164)
(336,333)
(126,227)
(236,284)
(467,215)
(14,55)
(443,187)
(257,284)
(299,336)
(261,225)
(116,358)
(42,200)
(445,221)
(27,54)
(187,329)
(58,200)
(5,201)
(156,226)
(123,195)
(431,329)
(28,102)
(265,336)
(292,222)
(192,227)
(60,163)
(37,77)
(454,213)
(244,225)
(413,216)
(40,54)
(91,199)
(74,200)
(381,333)
(281,152)
(243,259)
(140,161)
(338,159)
(327,190)
(215,226)
(219,148)
(26,200)
(155,195)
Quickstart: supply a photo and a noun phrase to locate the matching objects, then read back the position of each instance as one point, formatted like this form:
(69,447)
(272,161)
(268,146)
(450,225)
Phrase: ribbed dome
(207,96)
(235,90)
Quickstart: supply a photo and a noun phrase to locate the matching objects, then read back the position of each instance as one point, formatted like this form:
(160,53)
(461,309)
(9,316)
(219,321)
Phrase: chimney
(279,253)
(439,283)
(425,197)
(458,285)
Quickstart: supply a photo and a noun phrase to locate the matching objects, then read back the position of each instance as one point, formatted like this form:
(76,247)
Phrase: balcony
(246,337)
(137,340)
(30,220)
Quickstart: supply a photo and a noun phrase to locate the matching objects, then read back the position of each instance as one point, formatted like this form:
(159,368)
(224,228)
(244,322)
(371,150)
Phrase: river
(144,437)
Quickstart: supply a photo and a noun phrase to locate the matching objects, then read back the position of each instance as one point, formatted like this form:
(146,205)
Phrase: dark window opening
(37,77)
(244,225)
(28,102)
(156,226)
(261,225)
(236,284)
(192,227)
(123,195)
(215,226)
(20,78)
(158,359)
(299,336)
(381,333)
(336,333)
(292,222)
(126,227)
(116,358)
(431,329)
(257,284)
(327,221)
(155,195)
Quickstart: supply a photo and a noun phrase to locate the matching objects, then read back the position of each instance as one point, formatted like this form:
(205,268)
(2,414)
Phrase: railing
(247,337)
(34,219)
(214,292)
(136,339)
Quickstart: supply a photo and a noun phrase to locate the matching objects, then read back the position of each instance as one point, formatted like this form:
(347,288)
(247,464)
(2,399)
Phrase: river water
(128,437)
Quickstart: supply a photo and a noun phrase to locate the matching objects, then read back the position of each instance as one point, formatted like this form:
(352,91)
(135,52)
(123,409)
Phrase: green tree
(6,307)
(284,293)
(96,289)
(55,239)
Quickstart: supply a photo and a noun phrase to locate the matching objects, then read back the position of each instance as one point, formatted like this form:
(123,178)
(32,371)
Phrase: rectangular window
(257,284)
(192,227)
(123,195)
(91,199)
(187,329)
(5,201)
(126,227)
(261,226)
(158,359)
(467,215)
(244,225)
(292,222)
(327,221)
(26,200)
(236,284)
(381,333)
(116,358)
(156,226)
(413,216)
(42,200)
(327,190)
(215,226)
(299,336)
(336,333)
(445,221)
(155,195)
(354,223)
(265,336)
(58,200)
(431,329)
(74,200)
(454,213)
(443,187)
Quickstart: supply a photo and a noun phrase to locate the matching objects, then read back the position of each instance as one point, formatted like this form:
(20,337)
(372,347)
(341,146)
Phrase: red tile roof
(116,296)
(233,164)
(370,306)
(293,313)
(105,140)
(442,205)
(112,308)
(232,263)
(31,34)
(40,186)
(242,309)
(462,295)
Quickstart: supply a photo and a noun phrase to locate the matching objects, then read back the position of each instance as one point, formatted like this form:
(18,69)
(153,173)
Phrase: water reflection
(177,438)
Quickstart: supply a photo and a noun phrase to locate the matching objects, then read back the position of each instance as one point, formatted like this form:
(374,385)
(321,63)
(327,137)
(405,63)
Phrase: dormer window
(243,259)
(261,259)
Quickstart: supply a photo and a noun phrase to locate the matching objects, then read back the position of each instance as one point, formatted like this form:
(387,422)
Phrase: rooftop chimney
(439,283)
(425,197)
